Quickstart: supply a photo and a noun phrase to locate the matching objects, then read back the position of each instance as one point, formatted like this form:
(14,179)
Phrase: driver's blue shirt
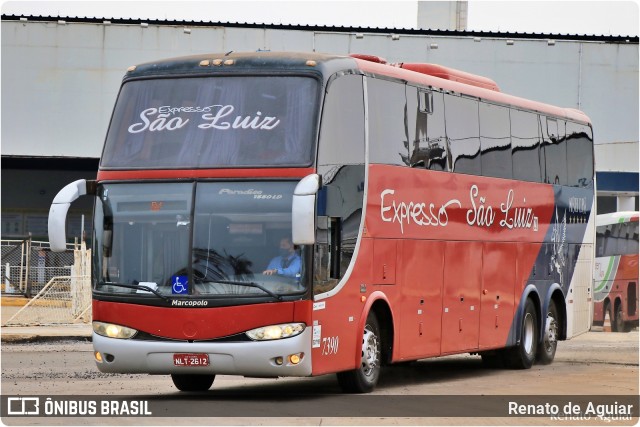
(286,266)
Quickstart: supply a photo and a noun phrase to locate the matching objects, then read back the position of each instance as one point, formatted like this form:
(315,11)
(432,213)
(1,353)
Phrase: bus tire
(547,351)
(365,378)
(618,321)
(523,355)
(190,382)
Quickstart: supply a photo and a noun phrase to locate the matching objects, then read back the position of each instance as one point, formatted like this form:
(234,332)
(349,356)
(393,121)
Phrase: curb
(35,334)
(32,339)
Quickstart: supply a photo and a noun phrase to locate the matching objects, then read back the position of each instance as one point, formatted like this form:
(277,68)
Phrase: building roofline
(339,29)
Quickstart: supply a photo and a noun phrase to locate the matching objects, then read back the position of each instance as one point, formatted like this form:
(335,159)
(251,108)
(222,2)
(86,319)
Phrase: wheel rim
(550,333)
(528,333)
(370,352)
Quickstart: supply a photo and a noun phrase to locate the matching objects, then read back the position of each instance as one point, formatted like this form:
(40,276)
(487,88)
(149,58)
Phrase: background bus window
(463,132)
(580,151)
(600,242)
(525,142)
(426,129)
(555,151)
(495,141)
(632,236)
(341,165)
(388,135)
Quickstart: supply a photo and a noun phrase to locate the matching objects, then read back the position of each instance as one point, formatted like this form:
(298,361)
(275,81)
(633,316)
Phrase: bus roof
(325,65)
(616,217)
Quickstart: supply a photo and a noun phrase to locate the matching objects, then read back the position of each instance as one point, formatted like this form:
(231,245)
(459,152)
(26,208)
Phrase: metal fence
(57,285)
(27,265)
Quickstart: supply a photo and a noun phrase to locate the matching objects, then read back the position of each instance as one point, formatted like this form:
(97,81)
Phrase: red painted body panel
(461,296)
(420,306)
(452,279)
(431,205)
(499,261)
(200,323)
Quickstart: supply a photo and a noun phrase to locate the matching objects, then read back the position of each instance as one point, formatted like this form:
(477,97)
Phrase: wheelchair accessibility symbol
(179,285)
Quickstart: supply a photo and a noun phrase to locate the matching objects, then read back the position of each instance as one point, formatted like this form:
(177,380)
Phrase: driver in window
(288,263)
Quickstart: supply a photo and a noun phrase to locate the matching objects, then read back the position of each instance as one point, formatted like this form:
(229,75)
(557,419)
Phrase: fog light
(279,360)
(98,356)
(294,359)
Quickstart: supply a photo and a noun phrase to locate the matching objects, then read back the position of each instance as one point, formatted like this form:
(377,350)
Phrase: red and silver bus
(616,270)
(431,215)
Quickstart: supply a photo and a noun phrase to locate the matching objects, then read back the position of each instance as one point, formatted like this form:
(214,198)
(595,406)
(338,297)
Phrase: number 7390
(330,345)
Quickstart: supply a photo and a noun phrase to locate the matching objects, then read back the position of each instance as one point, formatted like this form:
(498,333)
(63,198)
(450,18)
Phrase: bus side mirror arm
(59,208)
(303,210)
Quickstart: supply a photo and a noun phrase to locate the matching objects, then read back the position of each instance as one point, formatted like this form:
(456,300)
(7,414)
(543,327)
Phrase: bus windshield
(204,239)
(212,122)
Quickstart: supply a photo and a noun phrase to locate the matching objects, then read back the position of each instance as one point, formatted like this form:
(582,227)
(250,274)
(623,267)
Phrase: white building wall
(59,82)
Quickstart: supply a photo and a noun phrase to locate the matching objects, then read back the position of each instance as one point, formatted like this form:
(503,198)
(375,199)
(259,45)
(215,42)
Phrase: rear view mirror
(59,208)
(303,210)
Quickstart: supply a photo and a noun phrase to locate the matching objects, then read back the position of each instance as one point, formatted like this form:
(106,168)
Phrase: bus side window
(525,142)
(342,125)
(425,122)
(579,150)
(463,133)
(555,151)
(388,133)
(495,141)
(341,165)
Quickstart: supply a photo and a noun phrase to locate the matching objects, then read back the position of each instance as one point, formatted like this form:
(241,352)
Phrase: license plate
(191,359)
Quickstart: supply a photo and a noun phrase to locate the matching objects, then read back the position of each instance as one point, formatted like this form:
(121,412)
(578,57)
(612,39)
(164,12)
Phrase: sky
(524,16)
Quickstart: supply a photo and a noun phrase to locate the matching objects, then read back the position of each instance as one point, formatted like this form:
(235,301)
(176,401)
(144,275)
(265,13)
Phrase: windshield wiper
(140,288)
(250,284)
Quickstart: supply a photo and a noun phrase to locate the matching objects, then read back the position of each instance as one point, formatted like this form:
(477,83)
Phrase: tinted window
(339,210)
(495,141)
(463,133)
(617,239)
(525,142)
(425,112)
(555,151)
(213,122)
(342,126)
(579,155)
(387,125)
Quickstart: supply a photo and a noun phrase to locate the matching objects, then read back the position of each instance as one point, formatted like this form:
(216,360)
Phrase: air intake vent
(451,74)
(370,58)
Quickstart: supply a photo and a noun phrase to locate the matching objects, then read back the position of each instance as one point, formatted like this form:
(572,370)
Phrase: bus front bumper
(254,358)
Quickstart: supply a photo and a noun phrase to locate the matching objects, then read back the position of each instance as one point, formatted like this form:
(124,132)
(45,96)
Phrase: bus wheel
(618,322)
(523,355)
(547,351)
(365,378)
(190,382)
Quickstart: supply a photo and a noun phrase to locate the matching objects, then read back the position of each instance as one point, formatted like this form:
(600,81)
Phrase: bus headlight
(275,332)
(113,331)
